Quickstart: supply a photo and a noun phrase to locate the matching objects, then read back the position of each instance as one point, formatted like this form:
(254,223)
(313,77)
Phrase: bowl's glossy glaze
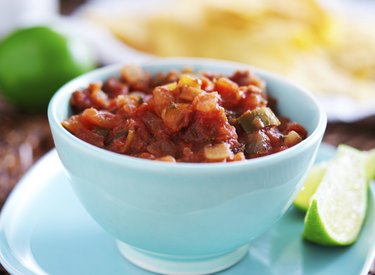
(184,209)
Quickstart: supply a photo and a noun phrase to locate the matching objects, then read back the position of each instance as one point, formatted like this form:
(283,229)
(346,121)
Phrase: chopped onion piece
(239,156)
(189,80)
(167,158)
(162,98)
(132,74)
(292,138)
(129,139)
(171,86)
(219,151)
(189,93)
(207,102)
(176,116)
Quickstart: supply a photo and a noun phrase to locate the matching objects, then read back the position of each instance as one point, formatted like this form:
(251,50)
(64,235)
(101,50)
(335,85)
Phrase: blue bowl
(187,218)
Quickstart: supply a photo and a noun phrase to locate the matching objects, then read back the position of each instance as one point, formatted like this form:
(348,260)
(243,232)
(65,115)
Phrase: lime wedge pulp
(370,165)
(338,207)
(317,173)
(312,182)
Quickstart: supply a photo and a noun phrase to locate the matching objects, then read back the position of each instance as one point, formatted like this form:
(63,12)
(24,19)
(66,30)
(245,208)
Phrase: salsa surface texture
(182,116)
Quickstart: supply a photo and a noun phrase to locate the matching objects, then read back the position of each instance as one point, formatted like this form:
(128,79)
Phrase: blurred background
(326,46)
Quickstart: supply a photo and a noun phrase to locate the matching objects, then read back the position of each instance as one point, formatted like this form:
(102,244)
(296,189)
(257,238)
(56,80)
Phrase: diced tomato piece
(207,84)
(161,148)
(93,96)
(229,92)
(114,87)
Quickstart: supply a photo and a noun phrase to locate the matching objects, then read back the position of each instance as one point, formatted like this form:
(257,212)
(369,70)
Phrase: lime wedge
(312,182)
(338,207)
(370,165)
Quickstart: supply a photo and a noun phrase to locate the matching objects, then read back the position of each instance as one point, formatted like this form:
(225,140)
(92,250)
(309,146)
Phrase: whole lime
(36,61)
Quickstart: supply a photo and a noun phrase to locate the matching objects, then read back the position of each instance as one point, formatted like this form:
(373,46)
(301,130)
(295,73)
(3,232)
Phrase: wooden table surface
(24,138)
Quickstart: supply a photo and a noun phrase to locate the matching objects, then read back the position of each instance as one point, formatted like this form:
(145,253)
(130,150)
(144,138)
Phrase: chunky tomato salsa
(182,116)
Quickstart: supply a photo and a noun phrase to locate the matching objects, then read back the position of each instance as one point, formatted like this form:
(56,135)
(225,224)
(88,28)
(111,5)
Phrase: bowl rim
(145,164)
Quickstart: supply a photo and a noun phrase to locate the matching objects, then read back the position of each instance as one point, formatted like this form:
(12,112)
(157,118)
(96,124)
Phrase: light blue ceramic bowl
(180,217)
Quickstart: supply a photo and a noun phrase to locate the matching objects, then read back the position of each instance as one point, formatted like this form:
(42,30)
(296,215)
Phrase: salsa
(182,116)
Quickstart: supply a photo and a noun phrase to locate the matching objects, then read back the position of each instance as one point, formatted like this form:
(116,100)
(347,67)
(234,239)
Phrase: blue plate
(45,230)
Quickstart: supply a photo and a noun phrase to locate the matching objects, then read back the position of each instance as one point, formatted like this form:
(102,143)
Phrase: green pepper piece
(258,119)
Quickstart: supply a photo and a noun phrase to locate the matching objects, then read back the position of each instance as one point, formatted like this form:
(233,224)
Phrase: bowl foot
(178,265)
